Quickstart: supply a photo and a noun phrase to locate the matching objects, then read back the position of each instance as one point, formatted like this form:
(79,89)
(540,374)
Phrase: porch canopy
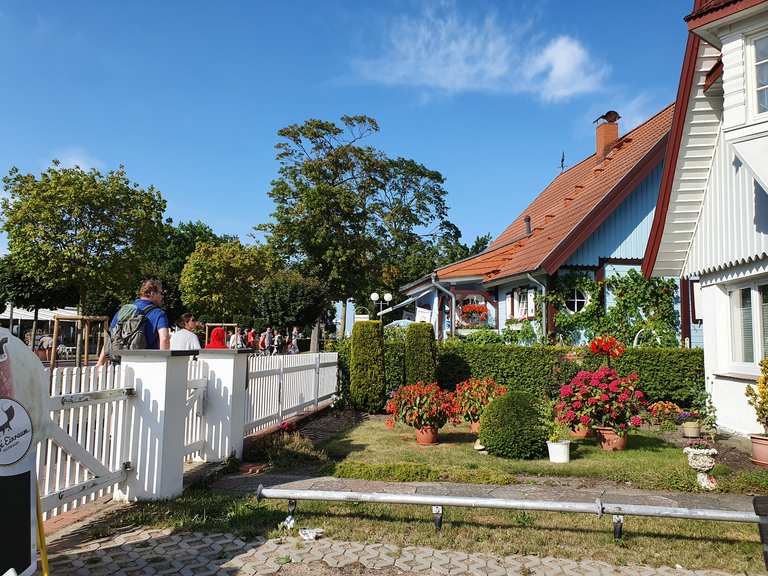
(43,314)
(405,302)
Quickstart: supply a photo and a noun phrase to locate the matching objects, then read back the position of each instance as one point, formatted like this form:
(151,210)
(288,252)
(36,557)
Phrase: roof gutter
(436,284)
(544,307)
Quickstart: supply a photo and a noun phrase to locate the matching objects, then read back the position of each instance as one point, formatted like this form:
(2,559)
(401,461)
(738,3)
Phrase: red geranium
(421,405)
(607,346)
(473,395)
(602,398)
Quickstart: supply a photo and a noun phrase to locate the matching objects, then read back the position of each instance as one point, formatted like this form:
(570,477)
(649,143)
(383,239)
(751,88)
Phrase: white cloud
(71,157)
(450,54)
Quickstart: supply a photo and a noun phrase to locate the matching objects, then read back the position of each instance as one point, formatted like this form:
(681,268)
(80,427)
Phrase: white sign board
(22,423)
(423,315)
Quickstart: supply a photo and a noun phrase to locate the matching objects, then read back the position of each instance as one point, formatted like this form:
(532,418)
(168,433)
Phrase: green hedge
(420,354)
(665,373)
(367,384)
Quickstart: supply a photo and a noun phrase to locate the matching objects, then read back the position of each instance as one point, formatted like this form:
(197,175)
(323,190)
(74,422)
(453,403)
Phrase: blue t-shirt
(156,319)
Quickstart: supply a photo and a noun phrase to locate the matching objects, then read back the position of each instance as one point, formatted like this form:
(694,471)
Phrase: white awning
(754,153)
(43,314)
(405,302)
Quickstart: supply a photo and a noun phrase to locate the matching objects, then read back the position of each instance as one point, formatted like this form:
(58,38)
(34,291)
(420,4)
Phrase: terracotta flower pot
(609,440)
(426,435)
(474,427)
(580,432)
(759,450)
(691,429)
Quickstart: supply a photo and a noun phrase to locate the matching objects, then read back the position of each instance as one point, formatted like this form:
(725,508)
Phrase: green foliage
(420,354)
(400,472)
(484,336)
(77,229)
(526,335)
(645,306)
(511,426)
(367,386)
(219,281)
(26,291)
(287,298)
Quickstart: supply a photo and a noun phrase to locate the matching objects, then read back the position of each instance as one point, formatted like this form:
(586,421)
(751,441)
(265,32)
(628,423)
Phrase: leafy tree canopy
(88,231)
(26,292)
(219,282)
(287,299)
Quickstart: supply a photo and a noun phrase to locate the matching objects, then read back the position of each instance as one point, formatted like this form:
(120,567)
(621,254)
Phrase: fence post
(224,419)
(154,423)
(317,379)
(280,378)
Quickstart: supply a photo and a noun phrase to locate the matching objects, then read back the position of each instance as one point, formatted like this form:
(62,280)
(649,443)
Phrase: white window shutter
(516,304)
(531,302)
(510,306)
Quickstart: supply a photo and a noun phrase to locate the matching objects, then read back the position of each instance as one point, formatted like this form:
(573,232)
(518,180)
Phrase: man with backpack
(142,325)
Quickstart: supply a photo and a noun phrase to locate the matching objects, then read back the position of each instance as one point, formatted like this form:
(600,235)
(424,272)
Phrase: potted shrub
(690,422)
(607,402)
(472,396)
(558,440)
(757,396)
(425,407)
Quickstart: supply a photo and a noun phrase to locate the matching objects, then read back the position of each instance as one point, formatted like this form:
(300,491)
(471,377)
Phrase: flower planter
(702,460)
(474,427)
(691,429)
(759,450)
(609,440)
(426,435)
(580,432)
(559,452)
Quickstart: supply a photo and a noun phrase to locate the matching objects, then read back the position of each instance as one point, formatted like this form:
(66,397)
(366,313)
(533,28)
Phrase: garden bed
(653,461)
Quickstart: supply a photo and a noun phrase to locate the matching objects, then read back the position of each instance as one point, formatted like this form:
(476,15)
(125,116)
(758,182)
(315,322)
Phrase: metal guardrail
(598,507)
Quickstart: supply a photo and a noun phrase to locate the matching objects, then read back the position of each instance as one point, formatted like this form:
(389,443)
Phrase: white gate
(194,423)
(82,457)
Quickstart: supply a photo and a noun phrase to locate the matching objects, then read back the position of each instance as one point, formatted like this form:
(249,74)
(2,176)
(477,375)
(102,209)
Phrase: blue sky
(189,95)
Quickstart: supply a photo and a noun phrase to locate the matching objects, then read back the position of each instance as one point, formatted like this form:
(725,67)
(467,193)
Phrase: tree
(166,260)
(287,298)
(342,209)
(79,229)
(219,281)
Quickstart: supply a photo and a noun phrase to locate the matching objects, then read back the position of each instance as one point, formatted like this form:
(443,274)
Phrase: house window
(523,302)
(576,300)
(742,333)
(761,73)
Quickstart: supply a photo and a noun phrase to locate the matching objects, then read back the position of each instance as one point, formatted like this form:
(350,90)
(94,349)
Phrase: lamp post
(378,300)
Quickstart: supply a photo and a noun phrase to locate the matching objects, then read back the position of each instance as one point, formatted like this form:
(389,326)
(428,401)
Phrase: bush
(367,385)
(420,353)
(511,426)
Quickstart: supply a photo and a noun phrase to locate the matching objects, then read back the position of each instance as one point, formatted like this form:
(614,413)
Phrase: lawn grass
(371,451)
(695,545)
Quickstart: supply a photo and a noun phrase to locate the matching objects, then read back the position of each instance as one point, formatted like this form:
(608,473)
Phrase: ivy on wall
(642,308)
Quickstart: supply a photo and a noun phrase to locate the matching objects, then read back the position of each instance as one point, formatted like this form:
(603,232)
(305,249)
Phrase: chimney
(527,225)
(606,134)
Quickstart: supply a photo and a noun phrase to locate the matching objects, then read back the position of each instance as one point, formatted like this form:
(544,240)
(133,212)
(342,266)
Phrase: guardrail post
(224,419)
(760,504)
(154,424)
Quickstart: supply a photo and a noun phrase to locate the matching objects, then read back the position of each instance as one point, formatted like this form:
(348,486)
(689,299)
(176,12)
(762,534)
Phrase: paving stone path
(154,551)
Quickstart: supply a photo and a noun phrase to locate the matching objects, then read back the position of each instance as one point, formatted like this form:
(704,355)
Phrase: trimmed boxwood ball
(511,426)
(367,383)
(420,354)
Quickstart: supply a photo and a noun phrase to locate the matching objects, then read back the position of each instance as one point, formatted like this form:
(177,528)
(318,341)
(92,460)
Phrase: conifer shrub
(367,382)
(512,427)
(420,353)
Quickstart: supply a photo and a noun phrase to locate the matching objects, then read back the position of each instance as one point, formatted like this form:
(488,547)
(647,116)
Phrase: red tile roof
(571,207)
(707,11)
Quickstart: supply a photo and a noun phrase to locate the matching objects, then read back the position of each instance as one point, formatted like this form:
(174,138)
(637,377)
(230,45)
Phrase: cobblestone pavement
(155,551)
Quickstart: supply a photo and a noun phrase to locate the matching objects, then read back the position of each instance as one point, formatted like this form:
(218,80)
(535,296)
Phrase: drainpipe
(439,286)
(544,307)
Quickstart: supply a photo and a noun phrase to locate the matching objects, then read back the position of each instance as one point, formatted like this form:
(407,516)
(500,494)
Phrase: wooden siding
(625,233)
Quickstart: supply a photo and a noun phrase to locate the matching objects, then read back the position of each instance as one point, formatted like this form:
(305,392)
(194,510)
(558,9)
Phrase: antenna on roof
(562,161)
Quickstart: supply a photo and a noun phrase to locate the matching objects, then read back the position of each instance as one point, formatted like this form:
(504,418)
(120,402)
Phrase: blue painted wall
(625,233)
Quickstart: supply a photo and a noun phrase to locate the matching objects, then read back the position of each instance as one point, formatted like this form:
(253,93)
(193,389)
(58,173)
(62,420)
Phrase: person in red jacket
(218,339)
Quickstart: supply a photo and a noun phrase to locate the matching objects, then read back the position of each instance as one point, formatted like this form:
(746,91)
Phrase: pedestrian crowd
(143,324)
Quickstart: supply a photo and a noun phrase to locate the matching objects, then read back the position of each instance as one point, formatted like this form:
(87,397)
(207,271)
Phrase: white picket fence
(94,424)
(82,457)
(282,386)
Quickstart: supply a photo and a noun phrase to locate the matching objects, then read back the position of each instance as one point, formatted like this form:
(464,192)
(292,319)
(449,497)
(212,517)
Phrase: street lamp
(377,300)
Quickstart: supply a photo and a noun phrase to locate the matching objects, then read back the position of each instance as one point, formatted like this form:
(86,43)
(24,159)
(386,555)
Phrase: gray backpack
(128,332)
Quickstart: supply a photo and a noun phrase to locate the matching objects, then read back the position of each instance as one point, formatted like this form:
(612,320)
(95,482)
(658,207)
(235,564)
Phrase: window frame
(758,349)
(574,299)
(751,73)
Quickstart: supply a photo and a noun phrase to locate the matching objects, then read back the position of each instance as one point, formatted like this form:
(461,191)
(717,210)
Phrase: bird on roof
(610,116)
